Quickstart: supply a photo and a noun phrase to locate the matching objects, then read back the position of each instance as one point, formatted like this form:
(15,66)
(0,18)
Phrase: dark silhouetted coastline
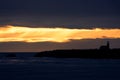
(104,52)
(87,53)
(11,55)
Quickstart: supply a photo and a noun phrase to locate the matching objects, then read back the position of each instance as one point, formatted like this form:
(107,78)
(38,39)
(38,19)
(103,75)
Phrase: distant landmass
(88,53)
(104,52)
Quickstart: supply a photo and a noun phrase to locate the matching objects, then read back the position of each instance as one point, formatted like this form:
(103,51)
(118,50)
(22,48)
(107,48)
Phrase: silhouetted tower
(105,47)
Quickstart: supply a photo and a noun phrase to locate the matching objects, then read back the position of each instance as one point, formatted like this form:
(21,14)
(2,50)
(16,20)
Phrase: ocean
(27,67)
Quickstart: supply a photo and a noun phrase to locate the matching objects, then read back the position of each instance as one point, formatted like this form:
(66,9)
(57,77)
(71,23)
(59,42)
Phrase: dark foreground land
(88,53)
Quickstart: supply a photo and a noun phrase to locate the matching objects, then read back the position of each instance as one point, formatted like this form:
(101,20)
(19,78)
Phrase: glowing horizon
(27,34)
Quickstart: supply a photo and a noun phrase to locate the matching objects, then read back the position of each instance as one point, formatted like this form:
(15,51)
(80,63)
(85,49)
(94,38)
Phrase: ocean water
(30,68)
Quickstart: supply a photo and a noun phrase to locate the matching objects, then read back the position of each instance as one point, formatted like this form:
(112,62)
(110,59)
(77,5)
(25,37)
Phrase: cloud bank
(31,35)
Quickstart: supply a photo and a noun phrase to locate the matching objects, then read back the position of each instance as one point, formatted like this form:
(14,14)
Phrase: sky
(40,25)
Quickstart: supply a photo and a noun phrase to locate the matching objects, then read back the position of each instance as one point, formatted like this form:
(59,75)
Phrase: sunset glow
(27,34)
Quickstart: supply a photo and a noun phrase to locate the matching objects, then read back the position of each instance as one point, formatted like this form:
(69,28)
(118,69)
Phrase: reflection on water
(59,68)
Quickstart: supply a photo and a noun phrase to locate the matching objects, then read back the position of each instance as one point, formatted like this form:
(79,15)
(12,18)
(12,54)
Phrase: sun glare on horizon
(27,34)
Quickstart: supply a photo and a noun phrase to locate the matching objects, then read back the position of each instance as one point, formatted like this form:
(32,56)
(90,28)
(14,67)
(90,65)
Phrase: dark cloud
(69,13)
(62,21)
(58,7)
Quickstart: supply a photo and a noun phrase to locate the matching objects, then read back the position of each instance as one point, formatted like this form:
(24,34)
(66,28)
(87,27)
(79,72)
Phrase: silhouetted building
(105,47)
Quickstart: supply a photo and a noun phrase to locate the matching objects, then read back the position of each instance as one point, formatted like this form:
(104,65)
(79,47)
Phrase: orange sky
(27,34)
